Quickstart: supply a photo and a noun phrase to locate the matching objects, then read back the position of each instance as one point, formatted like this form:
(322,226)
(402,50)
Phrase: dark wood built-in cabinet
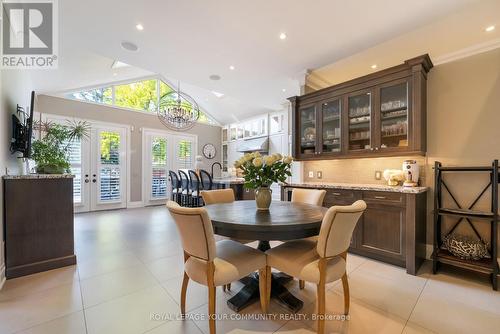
(38,212)
(392,228)
(381,114)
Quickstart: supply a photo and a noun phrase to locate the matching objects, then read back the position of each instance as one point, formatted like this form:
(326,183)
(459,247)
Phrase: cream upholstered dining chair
(221,196)
(218,196)
(308,196)
(213,263)
(323,261)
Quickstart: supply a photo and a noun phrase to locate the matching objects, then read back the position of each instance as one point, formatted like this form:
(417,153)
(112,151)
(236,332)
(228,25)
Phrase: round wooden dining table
(283,221)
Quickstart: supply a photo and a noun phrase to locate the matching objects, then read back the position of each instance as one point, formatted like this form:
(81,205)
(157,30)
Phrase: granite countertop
(38,176)
(228,180)
(357,186)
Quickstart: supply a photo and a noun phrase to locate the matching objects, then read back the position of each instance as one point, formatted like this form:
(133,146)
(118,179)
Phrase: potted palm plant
(260,172)
(51,151)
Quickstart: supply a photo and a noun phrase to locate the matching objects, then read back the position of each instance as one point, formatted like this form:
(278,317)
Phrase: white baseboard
(2,276)
(136,204)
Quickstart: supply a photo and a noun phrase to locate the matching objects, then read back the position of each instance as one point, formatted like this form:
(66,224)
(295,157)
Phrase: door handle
(94,181)
(87,180)
(337,194)
(379,197)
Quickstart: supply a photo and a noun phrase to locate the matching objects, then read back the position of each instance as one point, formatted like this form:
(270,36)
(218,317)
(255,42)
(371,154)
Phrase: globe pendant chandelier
(178,111)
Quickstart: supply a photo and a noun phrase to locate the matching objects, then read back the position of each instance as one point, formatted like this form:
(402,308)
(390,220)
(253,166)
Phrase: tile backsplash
(357,170)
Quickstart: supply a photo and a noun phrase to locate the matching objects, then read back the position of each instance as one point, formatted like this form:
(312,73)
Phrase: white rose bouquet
(262,171)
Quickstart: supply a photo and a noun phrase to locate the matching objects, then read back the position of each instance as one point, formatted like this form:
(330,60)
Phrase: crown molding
(315,81)
(467,52)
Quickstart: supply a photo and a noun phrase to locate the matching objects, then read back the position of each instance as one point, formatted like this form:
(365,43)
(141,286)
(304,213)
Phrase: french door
(164,151)
(108,168)
(99,164)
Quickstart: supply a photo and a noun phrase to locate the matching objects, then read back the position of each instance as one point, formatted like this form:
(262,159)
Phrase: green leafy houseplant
(51,151)
(261,172)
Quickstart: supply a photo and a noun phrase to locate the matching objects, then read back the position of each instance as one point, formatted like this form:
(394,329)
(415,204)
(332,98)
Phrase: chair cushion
(234,261)
(300,259)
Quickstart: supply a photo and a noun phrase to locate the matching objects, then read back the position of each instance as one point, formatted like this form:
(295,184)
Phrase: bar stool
(194,188)
(206,180)
(176,186)
(185,192)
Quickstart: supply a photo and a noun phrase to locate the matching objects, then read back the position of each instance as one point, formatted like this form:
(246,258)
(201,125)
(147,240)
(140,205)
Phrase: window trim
(64,94)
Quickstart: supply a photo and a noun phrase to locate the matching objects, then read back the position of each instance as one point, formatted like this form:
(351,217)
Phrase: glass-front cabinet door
(307,127)
(394,116)
(359,122)
(331,127)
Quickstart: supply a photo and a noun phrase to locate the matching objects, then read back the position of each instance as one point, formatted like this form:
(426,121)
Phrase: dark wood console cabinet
(381,114)
(392,229)
(38,212)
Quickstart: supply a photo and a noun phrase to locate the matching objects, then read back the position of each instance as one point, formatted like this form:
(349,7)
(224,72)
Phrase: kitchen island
(393,227)
(235,183)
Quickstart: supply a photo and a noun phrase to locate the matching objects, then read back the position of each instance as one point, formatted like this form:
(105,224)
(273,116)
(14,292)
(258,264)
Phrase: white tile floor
(128,279)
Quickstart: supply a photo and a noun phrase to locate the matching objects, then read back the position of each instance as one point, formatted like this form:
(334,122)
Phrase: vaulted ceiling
(191,40)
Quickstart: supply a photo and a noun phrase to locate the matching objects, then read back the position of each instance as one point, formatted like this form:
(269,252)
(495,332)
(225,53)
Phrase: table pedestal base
(250,293)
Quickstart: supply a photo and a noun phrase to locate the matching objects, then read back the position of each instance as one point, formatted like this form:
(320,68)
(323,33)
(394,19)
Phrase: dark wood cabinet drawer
(339,197)
(383,197)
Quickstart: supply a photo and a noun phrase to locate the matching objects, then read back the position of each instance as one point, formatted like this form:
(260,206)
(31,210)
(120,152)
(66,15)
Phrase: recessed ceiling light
(219,95)
(490,28)
(214,77)
(115,74)
(139,27)
(374,66)
(129,46)
(282,35)
(119,64)
(232,68)
(283,90)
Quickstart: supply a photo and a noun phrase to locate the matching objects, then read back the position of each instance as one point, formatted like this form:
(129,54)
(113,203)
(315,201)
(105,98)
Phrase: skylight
(119,64)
